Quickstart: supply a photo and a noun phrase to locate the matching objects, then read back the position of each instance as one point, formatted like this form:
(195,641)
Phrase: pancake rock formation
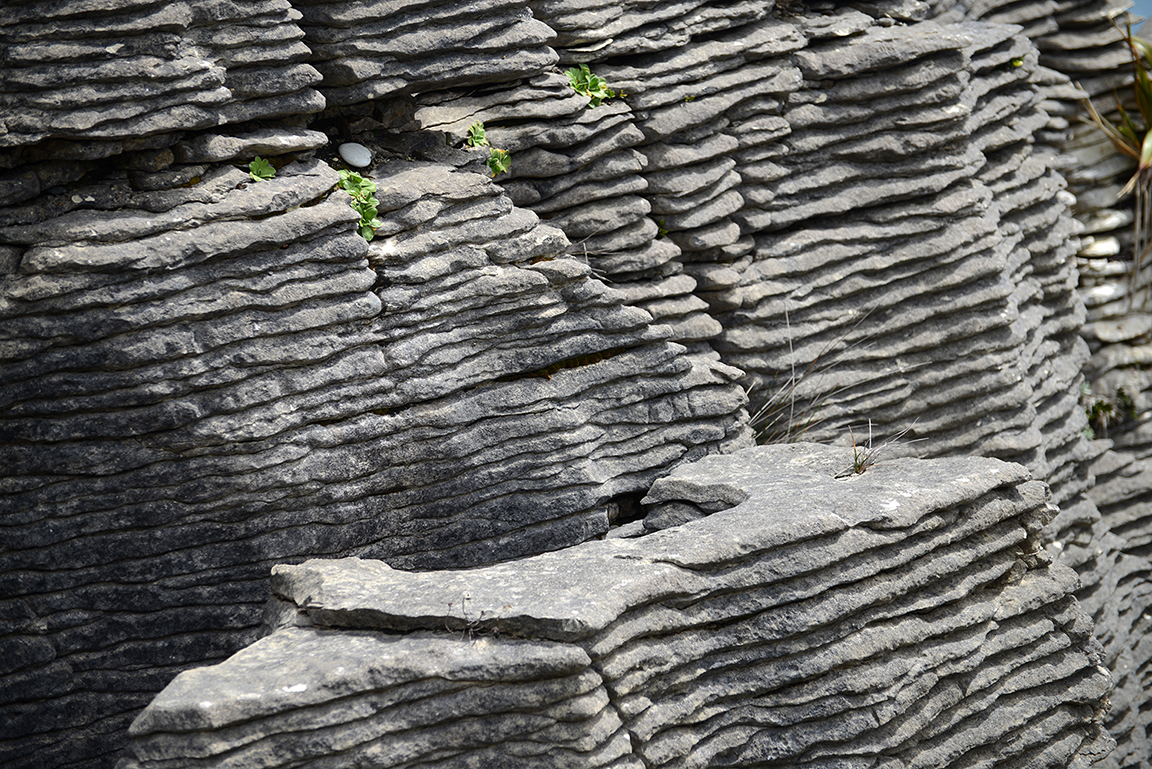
(840,221)
(902,617)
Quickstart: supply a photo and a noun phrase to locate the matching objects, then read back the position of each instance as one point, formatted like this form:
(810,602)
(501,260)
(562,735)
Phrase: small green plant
(593,86)
(364,202)
(1132,137)
(863,457)
(260,169)
(499,161)
(477,136)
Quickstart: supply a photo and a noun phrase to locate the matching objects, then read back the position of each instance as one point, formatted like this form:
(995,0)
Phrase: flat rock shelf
(904,617)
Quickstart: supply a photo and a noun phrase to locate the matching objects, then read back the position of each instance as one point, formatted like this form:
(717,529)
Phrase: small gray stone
(356,155)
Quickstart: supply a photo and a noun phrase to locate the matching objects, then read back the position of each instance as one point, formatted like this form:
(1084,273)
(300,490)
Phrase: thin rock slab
(413,698)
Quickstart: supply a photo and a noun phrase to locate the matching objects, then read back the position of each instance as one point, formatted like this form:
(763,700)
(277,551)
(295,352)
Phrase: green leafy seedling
(584,82)
(499,161)
(364,202)
(476,135)
(260,169)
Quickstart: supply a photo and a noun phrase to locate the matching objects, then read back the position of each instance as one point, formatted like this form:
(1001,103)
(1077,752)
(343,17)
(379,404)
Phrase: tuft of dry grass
(865,455)
(782,418)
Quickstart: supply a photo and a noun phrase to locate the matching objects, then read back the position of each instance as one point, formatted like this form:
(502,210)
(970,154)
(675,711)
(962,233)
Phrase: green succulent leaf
(499,161)
(584,82)
(260,169)
(477,136)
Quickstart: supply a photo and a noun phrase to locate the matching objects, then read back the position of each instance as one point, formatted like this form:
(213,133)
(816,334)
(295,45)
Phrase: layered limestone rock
(699,109)
(890,202)
(515,365)
(853,177)
(578,169)
(1103,538)
(127,69)
(812,617)
(601,29)
(368,50)
(206,375)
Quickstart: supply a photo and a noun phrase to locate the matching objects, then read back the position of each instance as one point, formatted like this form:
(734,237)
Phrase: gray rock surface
(904,614)
(370,50)
(788,161)
(134,68)
(228,365)
(1079,48)
(848,239)
(577,168)
(204,375)
(600,29)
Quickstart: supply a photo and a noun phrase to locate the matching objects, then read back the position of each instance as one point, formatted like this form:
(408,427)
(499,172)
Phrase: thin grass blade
(1121,142)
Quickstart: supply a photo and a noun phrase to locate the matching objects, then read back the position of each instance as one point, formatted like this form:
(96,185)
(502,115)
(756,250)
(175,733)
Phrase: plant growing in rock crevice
(477,136)
(499,161)
(584,82)
(364,202)
(260,169)
(784,416)
(864,455)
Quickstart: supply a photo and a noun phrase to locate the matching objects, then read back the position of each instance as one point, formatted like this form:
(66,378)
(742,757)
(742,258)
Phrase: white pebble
(355,154)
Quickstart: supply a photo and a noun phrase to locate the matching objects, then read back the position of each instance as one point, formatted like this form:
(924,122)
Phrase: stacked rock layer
(1079,44)
(847,196)
(366,50)
(918,625)
(206,375)
(895,201)
(130,69)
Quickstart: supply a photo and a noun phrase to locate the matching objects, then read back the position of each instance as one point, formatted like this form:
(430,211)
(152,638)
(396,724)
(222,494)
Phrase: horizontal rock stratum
(205,373)
(903,617)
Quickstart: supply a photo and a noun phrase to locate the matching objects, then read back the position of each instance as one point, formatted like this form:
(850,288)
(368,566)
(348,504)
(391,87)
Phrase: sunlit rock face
(205,374)
(221,374)
(814,615)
